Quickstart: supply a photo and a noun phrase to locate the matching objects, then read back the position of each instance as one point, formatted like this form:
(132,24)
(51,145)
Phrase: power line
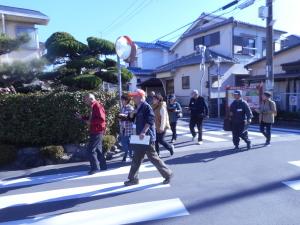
(119,17)
(130,16)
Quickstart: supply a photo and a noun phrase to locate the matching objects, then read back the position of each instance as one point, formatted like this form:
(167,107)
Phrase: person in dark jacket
(199,111)
(144,119)
(240,116)
(175,112)
(97,124)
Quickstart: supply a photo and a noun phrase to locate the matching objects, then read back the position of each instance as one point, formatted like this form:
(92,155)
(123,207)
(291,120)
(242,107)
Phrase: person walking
(240,116)
(199,111)
(175,112)
(145,126)
(149,98)
(97,124)
(267,112)
(126,126)
(161,123)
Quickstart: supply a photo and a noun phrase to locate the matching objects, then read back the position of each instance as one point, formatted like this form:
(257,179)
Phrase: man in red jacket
(96,123)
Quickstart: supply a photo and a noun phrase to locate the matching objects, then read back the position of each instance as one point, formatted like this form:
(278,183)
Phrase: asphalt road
(212,185)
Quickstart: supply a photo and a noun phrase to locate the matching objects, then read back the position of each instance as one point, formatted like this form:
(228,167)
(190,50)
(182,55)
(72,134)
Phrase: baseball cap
(268,94)
(137,92)
(237,92)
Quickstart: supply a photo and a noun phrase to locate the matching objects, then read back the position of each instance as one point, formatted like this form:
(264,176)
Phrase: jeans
(239,130)
(95,153)
(125,146)
(196,120)
(160,139)
(265,129)
(173,128)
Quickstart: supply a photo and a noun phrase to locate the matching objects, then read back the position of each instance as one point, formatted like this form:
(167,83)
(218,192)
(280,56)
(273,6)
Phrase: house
(286,77)
(230,44)
(18,21)
(149,56)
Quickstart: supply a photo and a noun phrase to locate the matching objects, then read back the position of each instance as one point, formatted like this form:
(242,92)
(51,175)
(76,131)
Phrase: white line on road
(125,214)
(78,192)
(295,163)
(295,184)
(69,176)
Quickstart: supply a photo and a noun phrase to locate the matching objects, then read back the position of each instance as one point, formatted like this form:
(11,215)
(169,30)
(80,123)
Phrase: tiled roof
(191,59)
(20,11)
(156,45)
(140,71)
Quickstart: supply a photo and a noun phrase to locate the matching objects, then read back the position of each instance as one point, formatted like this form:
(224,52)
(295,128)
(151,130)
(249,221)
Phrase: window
(208,40)
(244,45)
(186,82)
(170,87)
(30,31)
(264,47)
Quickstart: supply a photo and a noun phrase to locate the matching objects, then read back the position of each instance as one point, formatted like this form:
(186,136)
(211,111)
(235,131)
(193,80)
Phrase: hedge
(42,119)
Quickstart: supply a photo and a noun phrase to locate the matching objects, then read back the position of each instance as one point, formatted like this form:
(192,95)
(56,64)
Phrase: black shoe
(131,182)
(236,148)
(172,150)
(124,160)
(249,146)
(267,143)
(91,172)
(168,180)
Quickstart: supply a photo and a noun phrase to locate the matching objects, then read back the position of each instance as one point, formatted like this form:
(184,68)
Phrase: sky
(144,20)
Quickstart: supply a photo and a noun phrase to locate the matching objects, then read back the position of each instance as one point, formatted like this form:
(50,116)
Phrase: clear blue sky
(154,18)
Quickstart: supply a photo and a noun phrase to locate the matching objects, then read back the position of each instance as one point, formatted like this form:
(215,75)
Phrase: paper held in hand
(135,139)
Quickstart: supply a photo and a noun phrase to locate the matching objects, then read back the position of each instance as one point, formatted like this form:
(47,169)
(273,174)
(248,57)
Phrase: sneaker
(91,172)
(172,150)
(131,182)
(200,142)
(168,180)
(249,146)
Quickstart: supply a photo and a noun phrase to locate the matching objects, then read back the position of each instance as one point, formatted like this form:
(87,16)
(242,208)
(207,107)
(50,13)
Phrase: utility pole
(269,47)
(119,80)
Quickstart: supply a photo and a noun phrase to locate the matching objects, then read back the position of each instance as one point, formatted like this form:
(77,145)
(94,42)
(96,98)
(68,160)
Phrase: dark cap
(237,92)
(172,96)
(268,94)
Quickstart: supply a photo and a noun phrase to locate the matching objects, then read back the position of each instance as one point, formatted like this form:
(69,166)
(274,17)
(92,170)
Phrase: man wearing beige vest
(267,112)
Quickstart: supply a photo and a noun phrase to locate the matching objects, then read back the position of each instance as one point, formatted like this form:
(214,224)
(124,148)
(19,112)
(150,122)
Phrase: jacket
(240,111)
(96,119)
(173,110)
(267,111)
(198,107)
(161,117)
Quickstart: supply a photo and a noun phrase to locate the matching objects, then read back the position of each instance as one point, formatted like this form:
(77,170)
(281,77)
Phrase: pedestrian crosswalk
(294,184)
(65,190)
(213,132)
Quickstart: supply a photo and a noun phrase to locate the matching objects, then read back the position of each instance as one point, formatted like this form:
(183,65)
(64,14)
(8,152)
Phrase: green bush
(108,142)
(53,152)
(48,118)
(85,82)
(8,154)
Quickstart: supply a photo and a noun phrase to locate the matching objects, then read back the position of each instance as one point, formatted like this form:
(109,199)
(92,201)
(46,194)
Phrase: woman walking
(175,112)
(161,123)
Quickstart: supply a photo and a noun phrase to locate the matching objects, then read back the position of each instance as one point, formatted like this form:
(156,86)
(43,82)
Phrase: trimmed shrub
(85,82)
(8,153)
(52,152)
(43,119)
(108,142)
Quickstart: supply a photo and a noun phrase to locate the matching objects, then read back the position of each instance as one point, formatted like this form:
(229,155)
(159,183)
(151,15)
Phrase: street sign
(293,100)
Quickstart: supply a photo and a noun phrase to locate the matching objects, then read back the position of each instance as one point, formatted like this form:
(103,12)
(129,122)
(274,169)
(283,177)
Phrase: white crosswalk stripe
(126,214)
(70,176)
(294,184)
